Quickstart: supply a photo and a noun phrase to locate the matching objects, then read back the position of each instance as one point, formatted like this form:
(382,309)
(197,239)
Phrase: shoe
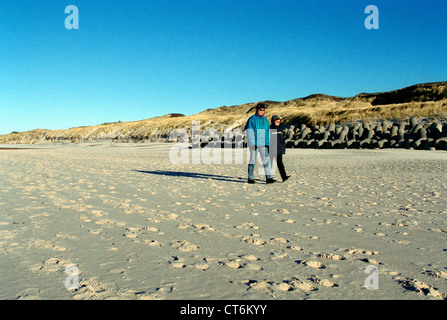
(286,177)
(270,180)
(251,181)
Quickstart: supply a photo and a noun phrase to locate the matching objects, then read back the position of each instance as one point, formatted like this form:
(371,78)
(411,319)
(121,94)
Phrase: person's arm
(250,132)
(267,131)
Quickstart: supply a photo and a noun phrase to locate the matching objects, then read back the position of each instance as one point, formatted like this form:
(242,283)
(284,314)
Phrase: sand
(136,226)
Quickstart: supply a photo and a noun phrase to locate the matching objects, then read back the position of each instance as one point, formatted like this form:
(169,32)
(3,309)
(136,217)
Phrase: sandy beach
(137,226)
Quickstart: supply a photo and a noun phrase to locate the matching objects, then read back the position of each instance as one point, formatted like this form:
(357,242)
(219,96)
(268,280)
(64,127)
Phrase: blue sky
(135,59)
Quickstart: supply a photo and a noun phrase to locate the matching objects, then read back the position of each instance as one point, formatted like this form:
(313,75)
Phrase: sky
(137,59)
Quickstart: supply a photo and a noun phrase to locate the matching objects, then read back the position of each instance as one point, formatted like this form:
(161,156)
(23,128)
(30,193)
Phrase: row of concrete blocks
(413,134)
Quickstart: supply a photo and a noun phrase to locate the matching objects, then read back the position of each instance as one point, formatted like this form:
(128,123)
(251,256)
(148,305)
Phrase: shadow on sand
(195,175)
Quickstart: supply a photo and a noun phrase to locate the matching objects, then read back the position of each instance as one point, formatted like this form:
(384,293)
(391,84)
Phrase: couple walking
(270,144)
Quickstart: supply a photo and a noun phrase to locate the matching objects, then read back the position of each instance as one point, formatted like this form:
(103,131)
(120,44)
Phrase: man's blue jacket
(258,131)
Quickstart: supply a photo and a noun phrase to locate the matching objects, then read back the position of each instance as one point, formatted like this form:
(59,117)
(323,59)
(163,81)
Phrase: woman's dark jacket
(280,142)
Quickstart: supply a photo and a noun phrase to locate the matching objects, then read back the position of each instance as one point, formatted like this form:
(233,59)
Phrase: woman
(277,141)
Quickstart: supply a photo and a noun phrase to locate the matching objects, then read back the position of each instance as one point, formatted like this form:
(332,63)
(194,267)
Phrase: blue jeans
(265,158)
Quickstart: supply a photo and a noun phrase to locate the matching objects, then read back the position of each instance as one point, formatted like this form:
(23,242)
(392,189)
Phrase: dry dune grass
(350,111)
(323,112)
(423,100)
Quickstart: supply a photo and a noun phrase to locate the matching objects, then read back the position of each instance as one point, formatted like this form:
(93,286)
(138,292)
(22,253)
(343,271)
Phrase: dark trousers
(280,164)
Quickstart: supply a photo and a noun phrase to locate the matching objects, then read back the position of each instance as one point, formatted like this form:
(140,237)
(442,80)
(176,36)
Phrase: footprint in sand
(312,264)
(254,240)
(436,274)
(305,283)
(91,289)
(232,264)
(131,232)
(150,242)
(204,226)
(250,257)
(51,265)
(330,256)
(98,213)
(177,262)
(361,251)
(203,265)
(46,245)
(239,263)
(97,231)
(297,248)
(421,288)
(247,225)
(29,294)
(152,229)
(184,246)
(135,232)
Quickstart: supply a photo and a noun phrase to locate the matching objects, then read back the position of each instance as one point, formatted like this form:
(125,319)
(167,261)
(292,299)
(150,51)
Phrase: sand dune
(422,100)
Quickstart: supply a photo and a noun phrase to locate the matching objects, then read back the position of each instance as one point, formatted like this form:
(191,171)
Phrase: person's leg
(266,161)
(282,170)
(251,163)
(273,162)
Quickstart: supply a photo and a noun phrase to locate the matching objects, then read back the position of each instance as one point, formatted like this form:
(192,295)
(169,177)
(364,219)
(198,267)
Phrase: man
(258,138)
